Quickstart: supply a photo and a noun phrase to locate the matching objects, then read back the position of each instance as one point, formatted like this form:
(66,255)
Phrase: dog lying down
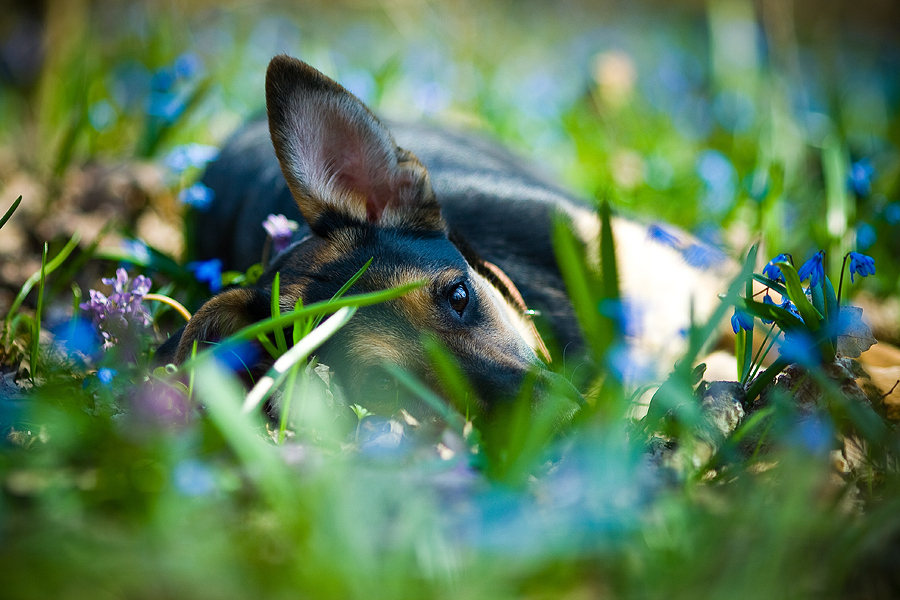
(461,213)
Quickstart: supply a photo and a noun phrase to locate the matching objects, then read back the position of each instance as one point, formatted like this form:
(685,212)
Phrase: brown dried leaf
(855,337)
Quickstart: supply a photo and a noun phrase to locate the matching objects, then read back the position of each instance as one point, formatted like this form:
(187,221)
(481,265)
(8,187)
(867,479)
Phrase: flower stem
(841,282)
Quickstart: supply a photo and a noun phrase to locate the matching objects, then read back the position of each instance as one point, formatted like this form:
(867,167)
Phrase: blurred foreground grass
(723,120)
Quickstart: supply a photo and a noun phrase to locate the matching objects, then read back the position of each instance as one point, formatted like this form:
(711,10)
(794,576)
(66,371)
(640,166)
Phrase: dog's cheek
(222,316)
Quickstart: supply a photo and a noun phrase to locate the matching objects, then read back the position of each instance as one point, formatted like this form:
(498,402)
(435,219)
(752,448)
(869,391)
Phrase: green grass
(120,481)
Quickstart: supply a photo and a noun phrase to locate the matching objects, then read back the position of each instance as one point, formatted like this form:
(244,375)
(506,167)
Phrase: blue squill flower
(190,155)
(209,272)
(663,236)
(105,375)
(861,264)
(813,269)
(767,299)
(860,177)
(198,196)
(741,320)
(772,271)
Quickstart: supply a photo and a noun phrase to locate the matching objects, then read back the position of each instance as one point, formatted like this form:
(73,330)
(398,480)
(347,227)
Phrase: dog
(426,203)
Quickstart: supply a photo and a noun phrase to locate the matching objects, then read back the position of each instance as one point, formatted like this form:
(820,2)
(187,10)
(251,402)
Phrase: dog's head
(363,197)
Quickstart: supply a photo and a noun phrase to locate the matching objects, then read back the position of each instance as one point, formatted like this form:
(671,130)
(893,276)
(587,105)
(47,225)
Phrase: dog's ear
(340,162)
(222,315)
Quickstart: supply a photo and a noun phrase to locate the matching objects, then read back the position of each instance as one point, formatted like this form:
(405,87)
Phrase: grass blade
(10,212)
(297,353)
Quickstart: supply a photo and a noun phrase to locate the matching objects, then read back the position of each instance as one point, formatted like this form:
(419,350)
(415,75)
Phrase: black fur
(494,204)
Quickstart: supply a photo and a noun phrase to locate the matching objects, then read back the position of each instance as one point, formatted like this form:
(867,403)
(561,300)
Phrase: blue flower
(767,299)
(190,155)
(787,305)
(859,180)
(799,347)
(866,235)
(187,65)
(892,213)
(167,106)
(741,320)
(138,250)
(198,195)
(861,264)
(772,271)
(661,235)
(208,271)
(813,269)
(105,375)
(702,256)
(194,478)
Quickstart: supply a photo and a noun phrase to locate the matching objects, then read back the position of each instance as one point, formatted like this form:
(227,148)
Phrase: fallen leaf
(854,335)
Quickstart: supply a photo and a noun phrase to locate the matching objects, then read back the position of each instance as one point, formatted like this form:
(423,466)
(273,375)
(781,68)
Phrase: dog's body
(461,213)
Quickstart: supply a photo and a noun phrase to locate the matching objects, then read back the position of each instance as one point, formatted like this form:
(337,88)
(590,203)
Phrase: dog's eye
(459,298)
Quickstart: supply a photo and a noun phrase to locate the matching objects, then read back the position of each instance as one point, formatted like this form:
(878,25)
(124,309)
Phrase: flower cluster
(280,228)
(120,315)
(861,264)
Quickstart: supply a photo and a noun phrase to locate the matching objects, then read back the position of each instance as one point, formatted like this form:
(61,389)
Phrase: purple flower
(280,228)
(813,269)
(208,271)
(861,264)
(772,271)
(741,320)
(190,155)
(121,315)
(198,195)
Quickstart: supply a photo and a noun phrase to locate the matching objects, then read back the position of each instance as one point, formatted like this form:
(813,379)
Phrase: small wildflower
(866,236)
(165,105)
(859,180)
(702,256)
(787,305)
(280,228)
(190,155)
(137,249)
(741,320)
(799,347)
(813,269)
(209,272)
(105,375)
(198,196)
(121,314)
(194,478)
(861,264)
(187,65)
(660,234)
(772,271)
(767,299)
